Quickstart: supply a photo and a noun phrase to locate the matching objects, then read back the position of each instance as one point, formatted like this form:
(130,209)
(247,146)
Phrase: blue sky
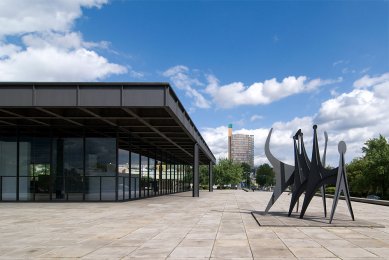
(256,64)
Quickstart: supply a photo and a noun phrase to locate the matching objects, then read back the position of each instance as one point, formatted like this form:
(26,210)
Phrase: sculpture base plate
(281,219)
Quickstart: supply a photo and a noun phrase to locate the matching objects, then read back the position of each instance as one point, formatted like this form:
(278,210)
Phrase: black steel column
(210,177)
(148,176)
(17,164)
(174,179)
(140,176)
(117,167)
(51,166)
(196,190)
(83,164)
(155,174)
(170,178)
(129,167)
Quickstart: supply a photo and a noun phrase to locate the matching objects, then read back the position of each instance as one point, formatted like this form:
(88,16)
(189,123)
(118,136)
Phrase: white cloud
(353,117)
(54,64)
(255,118)
(364,70)
(236,93)
(338,62)
(367,81)
(49,50)
(181,77)
(26,16)
(356,109)
(7,50)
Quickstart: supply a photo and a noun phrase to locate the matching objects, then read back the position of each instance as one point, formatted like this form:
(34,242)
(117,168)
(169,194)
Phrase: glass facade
(41,168)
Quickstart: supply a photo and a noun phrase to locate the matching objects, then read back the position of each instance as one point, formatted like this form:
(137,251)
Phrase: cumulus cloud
(354,117)
(236,93)
(181,77)
(199,85)
(367,81)
(48,49)
(255,118)
(25,16)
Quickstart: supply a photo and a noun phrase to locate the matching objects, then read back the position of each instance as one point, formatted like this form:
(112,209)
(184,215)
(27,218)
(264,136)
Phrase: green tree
(359,183)
(246,173)
(227,172)
(264,175)
(376,152)
(204,175)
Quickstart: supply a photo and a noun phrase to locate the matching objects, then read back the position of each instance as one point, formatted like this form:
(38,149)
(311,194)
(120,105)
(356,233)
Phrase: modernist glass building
(96,142)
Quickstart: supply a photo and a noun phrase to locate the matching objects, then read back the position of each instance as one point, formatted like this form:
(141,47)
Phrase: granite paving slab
(281,219)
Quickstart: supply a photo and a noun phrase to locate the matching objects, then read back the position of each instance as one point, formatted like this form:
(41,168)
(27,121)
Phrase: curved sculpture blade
(315,174)
(283,173)
(323,188)
(302,166)
(341,183)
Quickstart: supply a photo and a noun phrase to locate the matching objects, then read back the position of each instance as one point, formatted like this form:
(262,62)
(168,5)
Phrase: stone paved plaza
(217,225)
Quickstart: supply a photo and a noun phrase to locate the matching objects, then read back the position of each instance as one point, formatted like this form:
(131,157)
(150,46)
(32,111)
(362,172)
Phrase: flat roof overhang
(148,113)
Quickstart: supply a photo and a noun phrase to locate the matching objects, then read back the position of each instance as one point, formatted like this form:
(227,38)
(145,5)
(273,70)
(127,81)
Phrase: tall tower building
(242,149)
(229,141)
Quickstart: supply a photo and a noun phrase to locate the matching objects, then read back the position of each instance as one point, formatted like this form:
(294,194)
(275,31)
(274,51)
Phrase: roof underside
(150,115)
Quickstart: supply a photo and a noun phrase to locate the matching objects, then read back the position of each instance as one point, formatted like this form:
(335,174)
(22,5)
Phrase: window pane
(152,179)
(124,171)
(26,178)
(8,160)
(135,173)
(144,179)
(100,159)
(72,169)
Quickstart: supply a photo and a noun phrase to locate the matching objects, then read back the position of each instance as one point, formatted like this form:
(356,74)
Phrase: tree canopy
(370,174)
(227,172)
(264,175)
(246,173)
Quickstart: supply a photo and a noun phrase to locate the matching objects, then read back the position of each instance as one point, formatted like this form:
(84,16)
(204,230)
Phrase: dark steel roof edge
(75,83)
(144,84)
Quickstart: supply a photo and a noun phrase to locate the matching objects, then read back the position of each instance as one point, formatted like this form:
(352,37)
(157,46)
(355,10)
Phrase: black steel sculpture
(308,175)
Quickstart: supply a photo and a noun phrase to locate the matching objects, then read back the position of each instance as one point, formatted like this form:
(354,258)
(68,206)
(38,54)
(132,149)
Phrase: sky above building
(256,64)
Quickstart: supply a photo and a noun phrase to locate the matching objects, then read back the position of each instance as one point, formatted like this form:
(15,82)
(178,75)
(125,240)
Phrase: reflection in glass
(8,148)
(71,184)
(40,167)
(152,178)
(123,175)
(100,160)
(135,174)
(144,176)
(26,177)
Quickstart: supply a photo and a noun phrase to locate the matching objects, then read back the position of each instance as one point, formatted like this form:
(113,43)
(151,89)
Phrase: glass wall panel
(100,160)
(40,168)
(135,175)
(152,178)
(123,175)
(158,168)
(70,171)
(8,169)
(26,176)
(164,173)
(188,178)
(170,178)
(179,178)
(166,179)
(174,180)
(144,176)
